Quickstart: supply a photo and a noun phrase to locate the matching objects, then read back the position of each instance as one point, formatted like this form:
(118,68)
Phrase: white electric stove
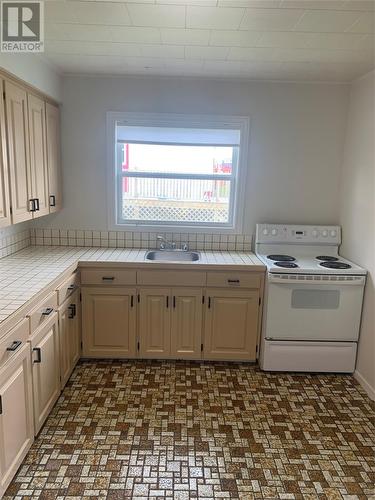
(313,300)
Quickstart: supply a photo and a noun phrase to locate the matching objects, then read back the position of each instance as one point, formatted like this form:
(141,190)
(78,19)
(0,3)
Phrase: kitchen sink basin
(172,256)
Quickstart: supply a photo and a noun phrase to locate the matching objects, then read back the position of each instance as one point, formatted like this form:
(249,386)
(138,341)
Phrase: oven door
(309,307)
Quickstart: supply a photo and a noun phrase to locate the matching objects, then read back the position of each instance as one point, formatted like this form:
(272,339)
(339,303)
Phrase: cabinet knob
(38,352)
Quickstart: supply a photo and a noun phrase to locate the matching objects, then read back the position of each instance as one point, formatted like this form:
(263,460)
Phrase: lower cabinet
(70,336)
(154,323)
(109,322)
(16,414)
(45,352)
(186,323)
(231,324)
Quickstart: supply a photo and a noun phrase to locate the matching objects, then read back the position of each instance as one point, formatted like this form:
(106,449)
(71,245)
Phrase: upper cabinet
(38,155)
(53,157)
(30,178)
(18,152)
(4,179)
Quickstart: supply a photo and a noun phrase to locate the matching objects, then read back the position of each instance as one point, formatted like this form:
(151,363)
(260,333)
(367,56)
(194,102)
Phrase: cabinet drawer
(11,344)
(43,311)
(234,279)
(67,288)
(108,277)
(171,278)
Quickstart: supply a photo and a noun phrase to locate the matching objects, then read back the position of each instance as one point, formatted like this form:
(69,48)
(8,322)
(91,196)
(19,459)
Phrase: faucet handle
(185,247)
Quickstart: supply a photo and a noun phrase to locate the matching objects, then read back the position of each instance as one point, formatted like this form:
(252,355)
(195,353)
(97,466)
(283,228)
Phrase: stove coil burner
(281,258)
(327,258)
(288,265)
(335,265)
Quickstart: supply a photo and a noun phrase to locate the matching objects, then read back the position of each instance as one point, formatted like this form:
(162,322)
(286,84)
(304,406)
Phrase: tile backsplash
(129,239)
(13,239)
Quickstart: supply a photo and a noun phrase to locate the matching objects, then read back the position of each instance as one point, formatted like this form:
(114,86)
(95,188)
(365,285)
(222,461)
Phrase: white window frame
(237,200)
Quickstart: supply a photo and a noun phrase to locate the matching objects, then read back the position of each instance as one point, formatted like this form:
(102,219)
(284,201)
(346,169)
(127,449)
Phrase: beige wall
(357,212)
(296,141)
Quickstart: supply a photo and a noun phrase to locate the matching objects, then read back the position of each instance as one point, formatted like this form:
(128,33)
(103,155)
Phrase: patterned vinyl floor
(202,430)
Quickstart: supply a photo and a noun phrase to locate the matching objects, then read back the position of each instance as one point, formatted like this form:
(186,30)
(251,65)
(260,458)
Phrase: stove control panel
(307,235)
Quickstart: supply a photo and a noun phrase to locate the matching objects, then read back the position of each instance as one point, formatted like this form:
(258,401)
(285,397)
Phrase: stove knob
(333,233)
(325,233)
(265,232)
(274,232)
(315,233)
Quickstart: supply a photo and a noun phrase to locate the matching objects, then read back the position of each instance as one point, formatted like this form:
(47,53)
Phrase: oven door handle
(299,279)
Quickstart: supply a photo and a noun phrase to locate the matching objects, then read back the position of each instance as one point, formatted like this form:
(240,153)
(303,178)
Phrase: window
(181,172)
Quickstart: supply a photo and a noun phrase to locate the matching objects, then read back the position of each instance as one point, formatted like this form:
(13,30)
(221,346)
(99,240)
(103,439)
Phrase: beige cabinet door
(154,323)
(45,352)
(66,326)
(75,334)
(18,152)
(53,157)
(109,322)
(231,324)
(4,180)
(186,323)
(16,415)
(38,155)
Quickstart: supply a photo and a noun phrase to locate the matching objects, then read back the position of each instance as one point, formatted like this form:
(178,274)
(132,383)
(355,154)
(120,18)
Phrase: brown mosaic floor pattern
(202,430)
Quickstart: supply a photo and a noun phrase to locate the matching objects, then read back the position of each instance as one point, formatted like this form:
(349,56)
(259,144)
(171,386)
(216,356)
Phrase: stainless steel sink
(172,255)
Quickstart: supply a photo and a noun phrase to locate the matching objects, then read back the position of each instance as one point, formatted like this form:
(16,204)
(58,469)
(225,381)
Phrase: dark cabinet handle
(37,207)
(39,355)
(15,345)
(174,302)
(71,287)
(167,301)
(47,311)
(209,302)
(233,281)
(32,205)
(52,200)
(108,278)
(132,301)
(72,310)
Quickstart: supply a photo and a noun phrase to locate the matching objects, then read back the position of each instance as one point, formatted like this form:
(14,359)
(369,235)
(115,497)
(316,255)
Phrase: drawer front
(108,277)
(11,344)
(43,311)
(171,278)
(67,288)
(234,279)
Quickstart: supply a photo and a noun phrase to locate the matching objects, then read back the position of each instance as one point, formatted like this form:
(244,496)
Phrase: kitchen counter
(27,273)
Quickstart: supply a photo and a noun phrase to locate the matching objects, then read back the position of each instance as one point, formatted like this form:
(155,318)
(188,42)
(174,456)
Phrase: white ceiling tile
(166,16)
(162,51)
(270,19)
(364,24)
(93,48)
(264,4)
(234,38)
(344,41)
(367,42)
(135,34)
(213,18)
(184,36)
(282,39)
(313,4)
(368,5)
(87,13)
(210,53)
(203,3)
(251,54)
(321,21)
(83,32)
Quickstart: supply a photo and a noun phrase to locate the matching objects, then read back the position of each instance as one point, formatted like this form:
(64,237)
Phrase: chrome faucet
(164,244)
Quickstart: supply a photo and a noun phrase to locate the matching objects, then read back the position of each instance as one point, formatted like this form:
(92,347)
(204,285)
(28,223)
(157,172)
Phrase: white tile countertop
(27,272)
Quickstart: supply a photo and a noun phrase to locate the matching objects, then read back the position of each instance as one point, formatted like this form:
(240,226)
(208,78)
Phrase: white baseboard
(367,387)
